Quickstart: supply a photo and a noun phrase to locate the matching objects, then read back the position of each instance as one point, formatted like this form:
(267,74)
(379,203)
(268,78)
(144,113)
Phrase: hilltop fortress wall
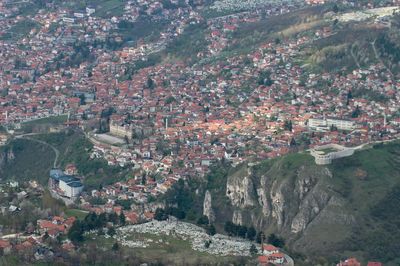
(322,158)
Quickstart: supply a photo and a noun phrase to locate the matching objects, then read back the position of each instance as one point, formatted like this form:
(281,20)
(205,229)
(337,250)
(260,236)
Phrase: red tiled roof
(4,244)
(373,263)
(263,259)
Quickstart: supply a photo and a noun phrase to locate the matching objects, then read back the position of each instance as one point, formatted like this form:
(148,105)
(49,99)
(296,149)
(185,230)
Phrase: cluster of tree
(181,199)
(251,234)
(162,214)
(94,222)
(356,113)
(389,47)
(265,79)
(81,53)
(125,204)
(288,125)
(240,230)
(274,240)
(204,222)
(131,69)
(150,83)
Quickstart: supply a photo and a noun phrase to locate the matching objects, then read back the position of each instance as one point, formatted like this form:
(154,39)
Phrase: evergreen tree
(115,247)
(276,241)
(251,233)
(111,231)
(356,113)
(211,230)
(335,8)
(160,215)
(150,83)
(122,219)
(203,220)
(75,233)
(253,250)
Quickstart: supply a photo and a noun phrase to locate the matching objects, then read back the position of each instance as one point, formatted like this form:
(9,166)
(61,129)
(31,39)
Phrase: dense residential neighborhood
(167,116)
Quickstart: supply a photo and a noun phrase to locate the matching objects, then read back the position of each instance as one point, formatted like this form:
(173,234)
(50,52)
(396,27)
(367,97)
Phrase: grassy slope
(251,35)
(32,161)
(378,226)
(75,148)
(364,180)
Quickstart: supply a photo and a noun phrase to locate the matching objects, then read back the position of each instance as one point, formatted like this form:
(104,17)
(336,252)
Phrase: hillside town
(171,119)
(179,119)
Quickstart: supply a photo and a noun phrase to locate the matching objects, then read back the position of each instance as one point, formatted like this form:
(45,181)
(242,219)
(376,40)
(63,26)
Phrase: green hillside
(29,160)
(33,160)
(356,197)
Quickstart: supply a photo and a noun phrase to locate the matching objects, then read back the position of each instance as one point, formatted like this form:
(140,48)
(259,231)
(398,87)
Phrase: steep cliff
(207,207)
(288,196)
(314,208)
(6,156)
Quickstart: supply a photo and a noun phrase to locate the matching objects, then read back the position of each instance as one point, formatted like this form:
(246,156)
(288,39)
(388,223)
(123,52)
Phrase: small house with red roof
(5,247)
(349,262)
(268,249)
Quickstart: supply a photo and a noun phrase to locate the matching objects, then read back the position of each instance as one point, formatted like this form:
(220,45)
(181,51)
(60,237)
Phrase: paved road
(289,261)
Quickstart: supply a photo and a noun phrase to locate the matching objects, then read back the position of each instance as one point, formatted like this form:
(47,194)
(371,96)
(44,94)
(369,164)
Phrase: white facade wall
(326,123)
(69,191)
(341,124)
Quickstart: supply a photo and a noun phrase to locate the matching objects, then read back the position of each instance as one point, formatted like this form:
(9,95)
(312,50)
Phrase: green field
(80,214)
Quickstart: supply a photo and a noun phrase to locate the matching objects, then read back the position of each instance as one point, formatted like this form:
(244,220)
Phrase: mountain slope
(318,210)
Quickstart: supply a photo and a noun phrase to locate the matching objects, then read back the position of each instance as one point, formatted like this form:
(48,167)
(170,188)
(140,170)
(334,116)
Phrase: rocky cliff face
(207,207)
(7,155)
(239,189)
(288,202)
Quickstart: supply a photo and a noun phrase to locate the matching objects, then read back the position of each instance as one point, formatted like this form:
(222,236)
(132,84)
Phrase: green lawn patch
(80,214)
